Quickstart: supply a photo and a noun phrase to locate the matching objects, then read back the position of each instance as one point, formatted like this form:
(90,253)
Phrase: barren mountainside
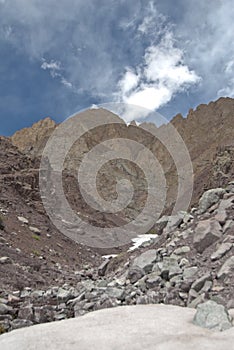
(207,131)
(187,260)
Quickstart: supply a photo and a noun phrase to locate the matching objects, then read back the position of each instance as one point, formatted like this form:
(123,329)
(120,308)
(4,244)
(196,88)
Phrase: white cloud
(164,64)
(149,97)
(228,90)
(207,34)
(55,69)
(229,68)
(66,82)
(161,74)
(129,81)
(6,32)
(52,65)
(153,23)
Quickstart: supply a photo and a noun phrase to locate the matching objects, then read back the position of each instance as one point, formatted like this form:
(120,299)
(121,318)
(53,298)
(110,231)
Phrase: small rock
(19,323)
(60,316)
(37,294)
(184,262)
(221,251)
(207,287)
(23,220)
(227,268)
(116,293)
(102,268)
(182,250)
(63,294)
(175,221)
(5,309)
(26,312)
(189,272)
(35,230)
(2,240)
(170,268)
(161,224)
(228,225)
(5,260)
(135,273)
(198,300)
(230,304)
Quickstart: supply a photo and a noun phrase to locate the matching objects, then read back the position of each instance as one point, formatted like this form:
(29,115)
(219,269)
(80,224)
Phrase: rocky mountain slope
(189,262)
(27,236)
(44,276)
(207,131)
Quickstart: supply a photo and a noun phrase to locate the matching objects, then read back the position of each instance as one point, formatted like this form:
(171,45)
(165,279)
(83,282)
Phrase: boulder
(206,233)
(153,280)
(209,198)
(189,272)
(169,268)
(135,273)
(213,316)
(5,309)
(199,283)
(146,260)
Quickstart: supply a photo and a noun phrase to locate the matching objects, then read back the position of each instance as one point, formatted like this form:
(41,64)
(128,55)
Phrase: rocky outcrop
(31,141)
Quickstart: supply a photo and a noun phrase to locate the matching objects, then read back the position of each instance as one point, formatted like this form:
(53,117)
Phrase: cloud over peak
(161,74)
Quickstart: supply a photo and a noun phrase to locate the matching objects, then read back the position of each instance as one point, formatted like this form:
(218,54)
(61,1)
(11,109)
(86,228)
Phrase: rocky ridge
(207,132)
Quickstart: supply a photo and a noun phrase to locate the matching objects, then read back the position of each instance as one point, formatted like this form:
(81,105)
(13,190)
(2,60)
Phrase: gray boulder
(206,233)
(135,273)
(146,260)
(209,198)
(213,316)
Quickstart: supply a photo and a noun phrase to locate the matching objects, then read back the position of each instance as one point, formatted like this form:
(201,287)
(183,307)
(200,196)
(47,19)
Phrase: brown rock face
(32,140)
(207,132)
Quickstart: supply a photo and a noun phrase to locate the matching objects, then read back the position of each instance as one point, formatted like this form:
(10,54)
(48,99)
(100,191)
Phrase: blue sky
(57,57)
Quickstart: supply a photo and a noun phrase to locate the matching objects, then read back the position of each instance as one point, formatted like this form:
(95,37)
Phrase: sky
(59,57)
